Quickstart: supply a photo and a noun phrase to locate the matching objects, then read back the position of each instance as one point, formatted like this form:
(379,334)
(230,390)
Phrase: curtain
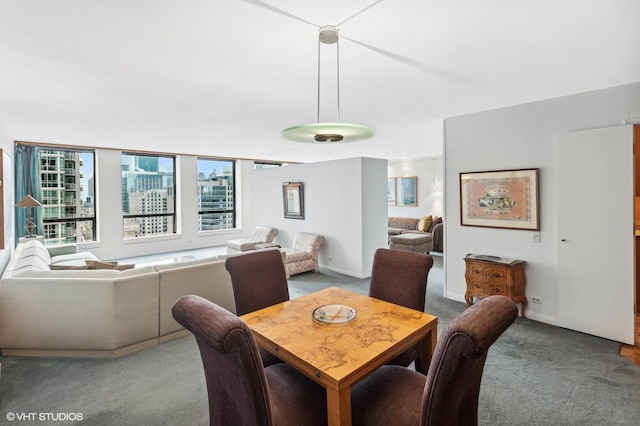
(27,182)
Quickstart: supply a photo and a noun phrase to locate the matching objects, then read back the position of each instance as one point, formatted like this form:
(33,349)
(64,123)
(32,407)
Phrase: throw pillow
(125,266)
(67,267)
(97,264)
(425,223)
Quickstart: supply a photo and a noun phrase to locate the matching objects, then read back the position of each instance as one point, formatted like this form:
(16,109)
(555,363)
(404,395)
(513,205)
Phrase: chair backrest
(236,381)
(400,277)
(307,241)
(264,234)
(453,381)
(258,279)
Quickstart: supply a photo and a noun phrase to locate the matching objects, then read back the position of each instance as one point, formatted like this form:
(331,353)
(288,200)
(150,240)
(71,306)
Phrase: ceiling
(225,77)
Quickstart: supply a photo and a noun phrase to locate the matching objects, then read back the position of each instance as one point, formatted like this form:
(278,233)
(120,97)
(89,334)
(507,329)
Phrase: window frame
(172,229)
(233,210)
(49,222)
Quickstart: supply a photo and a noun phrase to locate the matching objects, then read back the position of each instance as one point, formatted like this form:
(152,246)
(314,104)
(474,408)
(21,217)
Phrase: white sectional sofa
(206,278)
(101,312)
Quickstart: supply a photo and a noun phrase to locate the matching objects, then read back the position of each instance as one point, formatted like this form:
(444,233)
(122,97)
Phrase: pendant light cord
(338,77)
(318,120)
(337,80)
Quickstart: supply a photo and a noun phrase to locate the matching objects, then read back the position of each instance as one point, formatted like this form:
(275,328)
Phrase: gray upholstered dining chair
(448,394)
(241,391)
(400,277)
(258,280)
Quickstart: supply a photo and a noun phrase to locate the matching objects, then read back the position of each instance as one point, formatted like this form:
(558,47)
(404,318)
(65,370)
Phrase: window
(65,186)
(148,195)
(216,194)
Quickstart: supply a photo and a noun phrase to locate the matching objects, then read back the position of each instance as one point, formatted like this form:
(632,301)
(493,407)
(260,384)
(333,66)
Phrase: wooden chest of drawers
(488,276)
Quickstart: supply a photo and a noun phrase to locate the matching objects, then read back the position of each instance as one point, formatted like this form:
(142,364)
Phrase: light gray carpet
(535,374)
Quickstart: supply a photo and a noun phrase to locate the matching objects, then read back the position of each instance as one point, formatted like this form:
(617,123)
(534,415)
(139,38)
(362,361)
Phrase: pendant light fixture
(328,132)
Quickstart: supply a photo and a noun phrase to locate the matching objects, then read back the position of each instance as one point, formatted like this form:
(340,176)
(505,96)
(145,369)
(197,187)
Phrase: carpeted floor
(536,374)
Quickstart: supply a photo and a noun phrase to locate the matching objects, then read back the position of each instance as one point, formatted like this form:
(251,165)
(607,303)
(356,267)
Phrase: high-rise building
(61,194)
(148,197)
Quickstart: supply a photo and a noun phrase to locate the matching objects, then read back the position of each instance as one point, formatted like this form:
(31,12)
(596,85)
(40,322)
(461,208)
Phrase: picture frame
(293,200)
(500,199)
(391,191)
(406,191)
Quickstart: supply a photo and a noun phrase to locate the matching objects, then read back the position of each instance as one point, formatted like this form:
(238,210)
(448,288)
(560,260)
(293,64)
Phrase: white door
(596,232)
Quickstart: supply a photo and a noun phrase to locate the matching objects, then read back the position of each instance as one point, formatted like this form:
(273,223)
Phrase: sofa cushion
(395,231)
(34,248)
(402,222)
(27,264)
(242,244)
(411,238)
(75,259)
(293,255)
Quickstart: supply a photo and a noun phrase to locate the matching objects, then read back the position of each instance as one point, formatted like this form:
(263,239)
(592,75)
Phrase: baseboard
(345,272)
(173,336)
(80,353)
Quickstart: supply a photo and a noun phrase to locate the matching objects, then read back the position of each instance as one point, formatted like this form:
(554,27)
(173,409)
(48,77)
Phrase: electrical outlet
(535,237)
(536,299)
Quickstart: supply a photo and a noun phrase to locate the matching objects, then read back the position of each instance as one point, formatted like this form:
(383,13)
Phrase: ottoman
(419,243)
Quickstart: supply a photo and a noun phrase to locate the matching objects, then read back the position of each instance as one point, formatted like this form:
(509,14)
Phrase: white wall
(344,200)
(429,171)
(523,136)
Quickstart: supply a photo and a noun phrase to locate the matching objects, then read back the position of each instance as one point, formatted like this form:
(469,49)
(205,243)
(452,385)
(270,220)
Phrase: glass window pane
(148,195)
(216,194)
(66,188)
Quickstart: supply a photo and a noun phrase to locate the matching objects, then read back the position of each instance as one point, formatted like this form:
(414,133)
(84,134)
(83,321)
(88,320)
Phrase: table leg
(427,347)
(339,407)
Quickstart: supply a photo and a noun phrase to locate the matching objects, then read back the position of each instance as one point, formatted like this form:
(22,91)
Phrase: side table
(491,275)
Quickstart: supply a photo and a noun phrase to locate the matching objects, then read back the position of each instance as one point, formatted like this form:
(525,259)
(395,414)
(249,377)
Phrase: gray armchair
(302,256)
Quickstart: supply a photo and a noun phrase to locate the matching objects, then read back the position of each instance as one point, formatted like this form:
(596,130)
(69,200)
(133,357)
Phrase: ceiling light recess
(328,132)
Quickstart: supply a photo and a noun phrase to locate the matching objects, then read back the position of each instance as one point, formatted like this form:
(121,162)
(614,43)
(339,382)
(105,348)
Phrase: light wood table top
(339,355)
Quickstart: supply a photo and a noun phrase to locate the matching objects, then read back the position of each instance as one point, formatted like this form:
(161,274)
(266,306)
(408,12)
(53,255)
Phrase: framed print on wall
(500,199)
(391,191)
(407,188)
(293,199)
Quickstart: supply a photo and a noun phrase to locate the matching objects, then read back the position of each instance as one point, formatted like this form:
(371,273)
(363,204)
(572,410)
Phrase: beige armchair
(302,256)
(260,235)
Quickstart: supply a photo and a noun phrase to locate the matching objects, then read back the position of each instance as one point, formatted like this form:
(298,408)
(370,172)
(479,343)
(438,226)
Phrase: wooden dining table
(338,354)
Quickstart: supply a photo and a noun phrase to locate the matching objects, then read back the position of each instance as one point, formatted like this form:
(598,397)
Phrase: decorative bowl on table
(334,314)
